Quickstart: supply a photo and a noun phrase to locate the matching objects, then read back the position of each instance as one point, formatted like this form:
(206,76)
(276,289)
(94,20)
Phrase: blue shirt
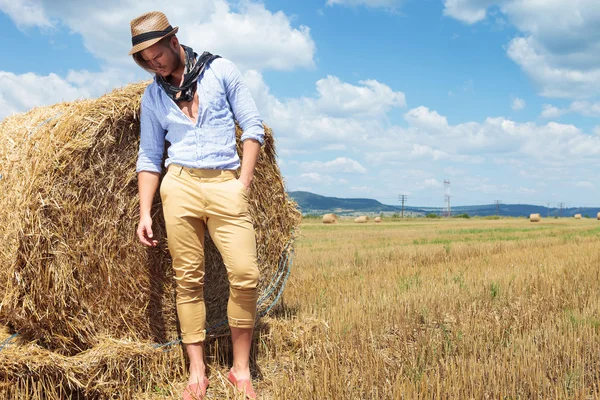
(210,142)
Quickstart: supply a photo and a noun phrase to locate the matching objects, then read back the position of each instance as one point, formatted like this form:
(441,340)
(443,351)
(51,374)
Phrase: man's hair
(166,42)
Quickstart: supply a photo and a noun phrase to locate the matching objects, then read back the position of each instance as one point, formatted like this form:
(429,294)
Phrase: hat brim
(144,45)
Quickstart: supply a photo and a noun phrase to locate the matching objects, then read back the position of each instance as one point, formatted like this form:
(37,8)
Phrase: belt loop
(180,168)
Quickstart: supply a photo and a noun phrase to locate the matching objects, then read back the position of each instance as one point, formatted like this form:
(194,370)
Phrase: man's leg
(232,232)
(242,342)
(185,237)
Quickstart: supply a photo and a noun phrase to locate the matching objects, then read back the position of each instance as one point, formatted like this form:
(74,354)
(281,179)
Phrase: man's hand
(144,232)
(251,148)
(246,181)
(147,185)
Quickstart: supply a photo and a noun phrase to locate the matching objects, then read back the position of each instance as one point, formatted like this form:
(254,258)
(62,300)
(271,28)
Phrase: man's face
(161,58)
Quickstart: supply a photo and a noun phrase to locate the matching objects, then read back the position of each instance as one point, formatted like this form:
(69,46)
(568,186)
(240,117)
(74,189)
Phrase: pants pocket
(163,185)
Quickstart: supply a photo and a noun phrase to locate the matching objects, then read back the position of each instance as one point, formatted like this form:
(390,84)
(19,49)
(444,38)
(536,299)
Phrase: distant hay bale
(535,218)
(577,216)
(598,216)
(377,219)
(363,219)
(330,218)
(72,268)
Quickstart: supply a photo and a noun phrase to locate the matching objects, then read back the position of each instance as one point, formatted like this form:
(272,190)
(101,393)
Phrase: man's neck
(176,78)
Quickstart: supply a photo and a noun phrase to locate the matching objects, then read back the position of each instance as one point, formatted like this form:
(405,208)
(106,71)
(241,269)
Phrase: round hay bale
(363,219)
(72,266)
(535,218)
(330,218)
(378,220)
(598,216)
(577,216)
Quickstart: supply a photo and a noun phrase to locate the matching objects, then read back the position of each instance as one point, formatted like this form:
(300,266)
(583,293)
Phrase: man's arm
(250,150)
(149,168)
(245,112)
(147,185)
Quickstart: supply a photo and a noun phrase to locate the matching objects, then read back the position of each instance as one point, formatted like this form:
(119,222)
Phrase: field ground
(434,309)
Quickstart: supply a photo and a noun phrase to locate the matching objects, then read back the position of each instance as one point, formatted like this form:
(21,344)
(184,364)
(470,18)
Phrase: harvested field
(423,309)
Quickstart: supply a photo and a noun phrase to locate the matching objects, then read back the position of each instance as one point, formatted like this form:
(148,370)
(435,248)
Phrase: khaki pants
(198,199)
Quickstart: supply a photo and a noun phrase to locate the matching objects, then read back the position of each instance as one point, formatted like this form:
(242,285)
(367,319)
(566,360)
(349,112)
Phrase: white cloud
(524,190)
(339,165)
(351,118)
(315,177)
(25,13)
(586,108)
(253,37)
(425,151)
(19,93)
(559,45)
(469,11)
(340,98)
(369,3)
(551,112)
(518,104)
(411,158)
(453,171)
(581,107)
(422,117)
(432,183)
(585,185)
(553,79)
(344,164)
(321,179)
(492,189)
(508,161)
(335,147)
(434,138)
(360,188)
(340,111)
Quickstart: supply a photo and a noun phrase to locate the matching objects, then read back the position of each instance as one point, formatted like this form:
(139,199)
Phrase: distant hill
(311,203)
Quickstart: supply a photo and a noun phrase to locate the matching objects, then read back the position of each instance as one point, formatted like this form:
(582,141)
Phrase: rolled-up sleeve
(152,139)
(242,104)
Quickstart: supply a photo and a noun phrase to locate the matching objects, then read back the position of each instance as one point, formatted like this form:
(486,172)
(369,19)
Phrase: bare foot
(197,376)
(241,373)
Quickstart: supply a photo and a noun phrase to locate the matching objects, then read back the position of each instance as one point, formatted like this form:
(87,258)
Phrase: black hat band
(144,37)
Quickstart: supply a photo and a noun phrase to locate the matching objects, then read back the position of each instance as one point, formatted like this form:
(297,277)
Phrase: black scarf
(194,66)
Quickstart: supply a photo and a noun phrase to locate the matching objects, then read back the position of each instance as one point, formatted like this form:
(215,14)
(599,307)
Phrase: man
(193,103)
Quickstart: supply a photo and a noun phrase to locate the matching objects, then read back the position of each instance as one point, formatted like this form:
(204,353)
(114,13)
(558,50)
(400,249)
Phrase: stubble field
(434,309)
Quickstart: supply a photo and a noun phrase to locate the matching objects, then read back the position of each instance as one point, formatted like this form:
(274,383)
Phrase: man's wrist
(144,215)
(246,177)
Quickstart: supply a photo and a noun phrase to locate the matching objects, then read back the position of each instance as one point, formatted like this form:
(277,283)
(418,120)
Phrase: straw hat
(148,29)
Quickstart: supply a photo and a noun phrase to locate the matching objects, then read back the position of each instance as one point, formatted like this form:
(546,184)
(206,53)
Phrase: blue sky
(367,98)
